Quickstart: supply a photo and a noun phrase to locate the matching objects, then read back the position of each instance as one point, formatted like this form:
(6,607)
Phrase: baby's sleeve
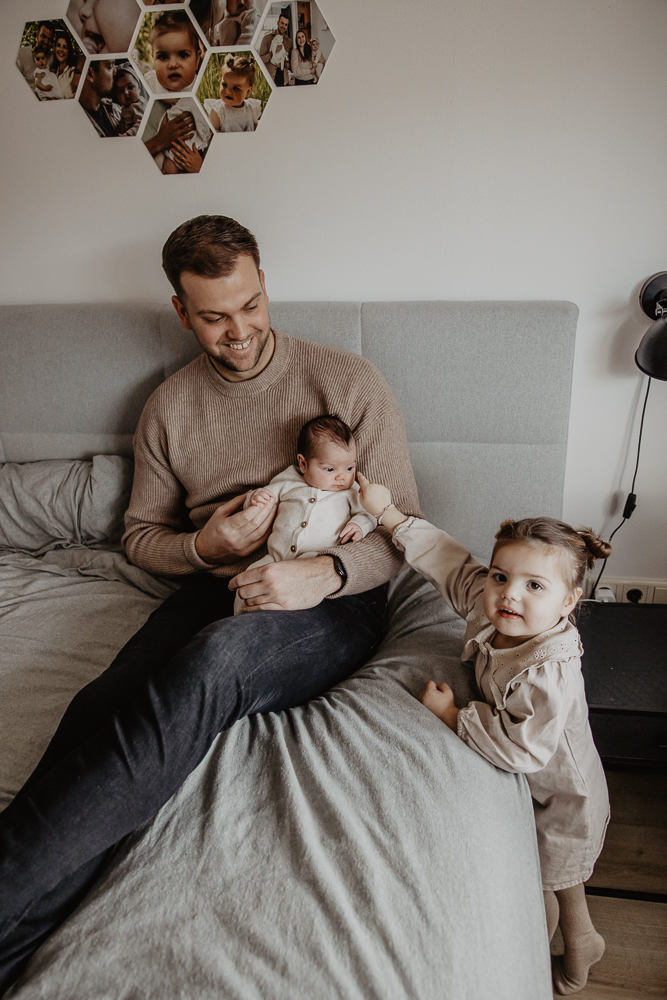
(523,736)
(359,514)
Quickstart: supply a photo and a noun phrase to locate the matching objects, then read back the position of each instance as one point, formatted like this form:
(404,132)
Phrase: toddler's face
(176,60)
(331,466)
(525,592)
(315,44)
(234,88)
(127,90)
(40,60)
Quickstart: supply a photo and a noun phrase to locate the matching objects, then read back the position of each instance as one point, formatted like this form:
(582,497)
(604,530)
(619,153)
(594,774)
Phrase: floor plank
(634,966)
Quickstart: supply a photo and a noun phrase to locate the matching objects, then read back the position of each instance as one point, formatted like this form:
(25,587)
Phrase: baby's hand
(351,533)
(439,699)
(373,496)
(259,497)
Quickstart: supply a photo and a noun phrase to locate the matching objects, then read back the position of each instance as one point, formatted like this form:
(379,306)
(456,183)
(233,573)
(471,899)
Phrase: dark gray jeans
(130,738)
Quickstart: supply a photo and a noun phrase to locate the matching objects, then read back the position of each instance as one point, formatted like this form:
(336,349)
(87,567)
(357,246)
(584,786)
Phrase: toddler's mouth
(508,613)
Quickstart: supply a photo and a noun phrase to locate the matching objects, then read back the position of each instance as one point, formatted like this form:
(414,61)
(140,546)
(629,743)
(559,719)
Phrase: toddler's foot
(570,971)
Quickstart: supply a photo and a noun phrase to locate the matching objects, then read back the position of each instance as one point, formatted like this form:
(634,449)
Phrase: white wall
(510,149)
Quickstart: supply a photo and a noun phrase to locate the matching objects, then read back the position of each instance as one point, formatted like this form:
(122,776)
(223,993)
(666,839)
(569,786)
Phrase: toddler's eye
(183,55)
(534,585)
(499,577)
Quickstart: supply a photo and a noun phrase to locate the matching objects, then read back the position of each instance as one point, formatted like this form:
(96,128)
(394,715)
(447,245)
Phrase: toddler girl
(129,94)
(533,719)
(47,87)
(176,51)
(236,111)
(318,504)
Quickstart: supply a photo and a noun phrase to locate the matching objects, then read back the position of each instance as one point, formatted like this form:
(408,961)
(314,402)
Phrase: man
(225,423)
(275,50)
(98,84)
(25,59)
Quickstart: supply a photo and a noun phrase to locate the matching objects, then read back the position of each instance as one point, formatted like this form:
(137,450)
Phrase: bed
(352,847)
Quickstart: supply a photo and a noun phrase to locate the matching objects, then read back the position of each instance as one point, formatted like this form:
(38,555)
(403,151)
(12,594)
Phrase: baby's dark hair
(582,544)
(175,20)
(327,426)
(41,50)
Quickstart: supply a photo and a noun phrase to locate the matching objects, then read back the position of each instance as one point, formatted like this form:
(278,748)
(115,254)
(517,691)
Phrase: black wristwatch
(340,569)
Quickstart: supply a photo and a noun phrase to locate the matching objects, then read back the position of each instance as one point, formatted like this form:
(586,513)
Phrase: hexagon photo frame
(174,73)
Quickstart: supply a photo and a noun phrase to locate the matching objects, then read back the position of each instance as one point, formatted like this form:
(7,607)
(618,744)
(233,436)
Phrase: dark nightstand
(625,671)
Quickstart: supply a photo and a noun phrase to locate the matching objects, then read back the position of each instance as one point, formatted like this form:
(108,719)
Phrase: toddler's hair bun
(597,547)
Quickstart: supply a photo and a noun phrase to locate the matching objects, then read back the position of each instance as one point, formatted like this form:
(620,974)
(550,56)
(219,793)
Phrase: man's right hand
(231,534)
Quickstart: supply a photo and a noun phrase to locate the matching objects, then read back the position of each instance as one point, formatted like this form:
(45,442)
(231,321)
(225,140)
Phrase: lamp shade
(651,355)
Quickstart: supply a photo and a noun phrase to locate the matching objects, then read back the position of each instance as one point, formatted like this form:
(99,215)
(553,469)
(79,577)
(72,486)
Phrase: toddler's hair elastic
(378,517)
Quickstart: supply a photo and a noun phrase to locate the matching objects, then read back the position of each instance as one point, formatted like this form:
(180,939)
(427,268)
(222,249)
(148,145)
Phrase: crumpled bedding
(349,849)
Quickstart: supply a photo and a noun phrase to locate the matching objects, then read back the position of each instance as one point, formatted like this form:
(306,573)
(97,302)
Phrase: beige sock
(551,908)
(583,945)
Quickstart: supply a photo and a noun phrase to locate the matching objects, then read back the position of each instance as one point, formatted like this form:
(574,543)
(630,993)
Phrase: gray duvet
(351,848)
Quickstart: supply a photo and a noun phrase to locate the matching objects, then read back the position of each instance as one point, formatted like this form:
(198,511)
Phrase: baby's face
(331,466)
(234,88)
(127,90)
(315,44)
(40,60)
(235,7)
(176,60)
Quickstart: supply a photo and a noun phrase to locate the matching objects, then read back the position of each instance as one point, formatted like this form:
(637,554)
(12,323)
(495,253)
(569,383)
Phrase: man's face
(101,75)
(228,316)
(44,37)
(283,25)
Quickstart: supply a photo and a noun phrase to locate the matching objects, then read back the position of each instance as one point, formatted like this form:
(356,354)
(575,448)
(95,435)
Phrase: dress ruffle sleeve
(521,733)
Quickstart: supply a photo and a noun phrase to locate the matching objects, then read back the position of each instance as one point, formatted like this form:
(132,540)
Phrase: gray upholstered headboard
(484,386)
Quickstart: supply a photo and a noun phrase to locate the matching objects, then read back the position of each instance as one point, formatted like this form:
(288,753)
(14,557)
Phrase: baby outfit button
(312,500)
(293,548)
(304,523)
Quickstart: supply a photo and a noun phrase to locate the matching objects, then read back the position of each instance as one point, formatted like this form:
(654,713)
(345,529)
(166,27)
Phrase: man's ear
(262,281)
(180,309)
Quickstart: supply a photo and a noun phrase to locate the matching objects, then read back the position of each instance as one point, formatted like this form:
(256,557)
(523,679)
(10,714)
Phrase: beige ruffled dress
(534,717)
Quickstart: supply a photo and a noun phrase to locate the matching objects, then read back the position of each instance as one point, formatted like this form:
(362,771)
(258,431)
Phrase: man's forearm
(160,550)
(368,563)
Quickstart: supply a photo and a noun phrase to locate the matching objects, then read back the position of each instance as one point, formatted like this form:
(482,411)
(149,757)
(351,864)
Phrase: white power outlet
(639,593)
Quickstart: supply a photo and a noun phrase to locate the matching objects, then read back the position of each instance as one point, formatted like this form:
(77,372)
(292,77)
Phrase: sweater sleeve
(446,564)
(154,538)
(382,455)
(522,736)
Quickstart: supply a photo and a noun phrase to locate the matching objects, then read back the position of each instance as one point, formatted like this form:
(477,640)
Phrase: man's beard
(225,358)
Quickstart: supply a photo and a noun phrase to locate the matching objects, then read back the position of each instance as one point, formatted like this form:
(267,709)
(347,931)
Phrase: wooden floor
(634,858)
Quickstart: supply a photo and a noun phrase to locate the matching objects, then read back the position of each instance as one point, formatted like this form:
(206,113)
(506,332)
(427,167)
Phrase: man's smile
(240,347)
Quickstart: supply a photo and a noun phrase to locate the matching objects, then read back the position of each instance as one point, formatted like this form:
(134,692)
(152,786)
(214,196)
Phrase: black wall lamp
(651,355)
(651,359)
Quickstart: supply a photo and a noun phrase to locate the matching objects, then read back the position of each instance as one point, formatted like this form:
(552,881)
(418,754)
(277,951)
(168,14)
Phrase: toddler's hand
(351,533)
(373,496)
(439,699)
(259,497)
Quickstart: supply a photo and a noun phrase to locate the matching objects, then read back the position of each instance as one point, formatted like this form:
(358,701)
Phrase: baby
(177,53)
(236,111)
(47,87)
(238,23)
(318,59)
(318,504)
(532,716)
(128,94)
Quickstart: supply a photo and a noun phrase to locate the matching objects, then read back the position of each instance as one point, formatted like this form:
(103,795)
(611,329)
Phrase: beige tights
(583,945)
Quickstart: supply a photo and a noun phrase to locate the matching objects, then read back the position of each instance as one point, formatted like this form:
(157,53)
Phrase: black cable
(631,500)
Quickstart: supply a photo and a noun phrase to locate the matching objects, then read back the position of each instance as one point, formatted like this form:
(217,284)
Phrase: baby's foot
(570,971)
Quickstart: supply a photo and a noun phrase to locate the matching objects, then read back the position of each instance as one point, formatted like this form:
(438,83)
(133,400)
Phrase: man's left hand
(287,586)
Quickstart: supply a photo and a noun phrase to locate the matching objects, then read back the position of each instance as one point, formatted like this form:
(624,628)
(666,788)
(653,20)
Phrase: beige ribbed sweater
(202,440)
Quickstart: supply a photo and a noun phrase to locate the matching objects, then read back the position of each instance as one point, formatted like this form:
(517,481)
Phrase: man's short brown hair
(208,246)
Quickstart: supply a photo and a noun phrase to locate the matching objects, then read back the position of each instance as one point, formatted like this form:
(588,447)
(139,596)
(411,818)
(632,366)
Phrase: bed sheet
(350,848)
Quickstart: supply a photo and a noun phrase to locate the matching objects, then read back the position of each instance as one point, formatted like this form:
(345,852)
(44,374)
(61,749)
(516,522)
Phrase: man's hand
(188,160)
(351,533)
(287,586)
(230,533)
(439,699)
(171,129)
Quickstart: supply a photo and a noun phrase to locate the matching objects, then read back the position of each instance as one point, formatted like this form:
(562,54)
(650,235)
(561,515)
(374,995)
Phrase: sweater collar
(273,373)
